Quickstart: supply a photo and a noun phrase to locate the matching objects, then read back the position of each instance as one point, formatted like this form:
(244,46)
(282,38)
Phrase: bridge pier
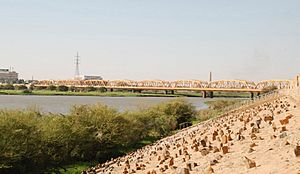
(204,94)
(111,90)
(170,91)
(136,91)
(211,94)
(251,95)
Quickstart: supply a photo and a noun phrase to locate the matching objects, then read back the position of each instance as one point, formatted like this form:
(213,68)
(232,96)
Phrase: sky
(151,39)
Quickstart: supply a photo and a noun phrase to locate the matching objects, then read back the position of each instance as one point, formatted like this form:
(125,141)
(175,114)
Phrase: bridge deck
(174,88)
(188,89)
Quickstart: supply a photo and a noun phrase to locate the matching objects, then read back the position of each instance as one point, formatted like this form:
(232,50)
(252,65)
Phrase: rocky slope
(264,138)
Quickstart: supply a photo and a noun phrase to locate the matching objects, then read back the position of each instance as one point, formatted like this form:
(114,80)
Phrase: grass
(76,168)
(216,108)
(122,94)
(140,144)
(232,94)
(79,167)
(11,92)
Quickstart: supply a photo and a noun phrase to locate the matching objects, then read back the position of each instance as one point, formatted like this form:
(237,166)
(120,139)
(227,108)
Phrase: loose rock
(297,151)
(249,163)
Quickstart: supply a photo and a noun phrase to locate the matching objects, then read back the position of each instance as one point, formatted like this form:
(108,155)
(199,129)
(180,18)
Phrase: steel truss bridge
(178,85)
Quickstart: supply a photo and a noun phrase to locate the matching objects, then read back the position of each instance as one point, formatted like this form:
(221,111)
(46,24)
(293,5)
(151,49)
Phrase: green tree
(51,87)
(31,142)
(72,89)
(90,89)
(101,127)
(269,89)
(21,87)
(19,142)
(102,89)
(62,88)
(180,109)
(39,87)
(7,87)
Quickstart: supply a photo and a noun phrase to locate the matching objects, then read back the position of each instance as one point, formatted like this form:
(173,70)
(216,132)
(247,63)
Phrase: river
(62,104)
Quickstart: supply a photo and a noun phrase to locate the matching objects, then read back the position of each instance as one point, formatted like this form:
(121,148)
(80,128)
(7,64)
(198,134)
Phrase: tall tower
(210,76)
(77,73)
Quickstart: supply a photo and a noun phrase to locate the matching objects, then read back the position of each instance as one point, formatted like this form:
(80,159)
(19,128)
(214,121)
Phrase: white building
(92,77)
(85,77)
(8,76)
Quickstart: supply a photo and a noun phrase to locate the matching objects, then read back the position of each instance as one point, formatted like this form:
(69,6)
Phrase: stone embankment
(263,138)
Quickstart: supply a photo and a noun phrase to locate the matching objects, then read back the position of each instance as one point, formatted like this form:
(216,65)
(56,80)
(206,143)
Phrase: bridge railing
(293,92)
(262,97)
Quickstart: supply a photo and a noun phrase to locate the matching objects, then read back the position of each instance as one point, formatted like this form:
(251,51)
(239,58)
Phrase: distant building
(85,77)
(7,76)
(92,77)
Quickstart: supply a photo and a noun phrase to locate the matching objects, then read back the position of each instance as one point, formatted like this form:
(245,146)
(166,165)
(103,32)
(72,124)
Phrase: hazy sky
(151,39)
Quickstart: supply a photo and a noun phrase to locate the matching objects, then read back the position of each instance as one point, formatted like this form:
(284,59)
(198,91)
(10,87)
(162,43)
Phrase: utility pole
(77,74)
(210,76)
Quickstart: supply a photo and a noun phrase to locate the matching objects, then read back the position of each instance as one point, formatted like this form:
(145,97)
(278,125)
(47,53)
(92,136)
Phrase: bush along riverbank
(31,142)
(216,108)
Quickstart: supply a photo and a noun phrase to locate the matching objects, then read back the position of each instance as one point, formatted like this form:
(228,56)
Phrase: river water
(62,104)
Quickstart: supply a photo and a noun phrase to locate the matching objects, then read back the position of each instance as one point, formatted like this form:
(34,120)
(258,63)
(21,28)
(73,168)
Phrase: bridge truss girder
(226,84)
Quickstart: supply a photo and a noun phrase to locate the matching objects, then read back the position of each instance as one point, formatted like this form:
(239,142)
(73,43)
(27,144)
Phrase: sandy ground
(261,139)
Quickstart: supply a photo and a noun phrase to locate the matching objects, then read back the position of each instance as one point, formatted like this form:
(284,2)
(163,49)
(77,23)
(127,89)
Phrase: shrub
(62,88)
(179,109)
(21,87)
(72,89)
(103,130)
(19,142)
(207,114)
(20,81)
(27,91)
(90,89)
(269,89)
(58,139)
(51,88)
(215,109)
(31,142)
(39,87)
(102,89)
(162,119)
(220,104)
(7,87)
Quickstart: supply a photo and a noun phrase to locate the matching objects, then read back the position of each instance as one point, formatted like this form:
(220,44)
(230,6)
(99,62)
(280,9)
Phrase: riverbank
(89,133)
(118,94)
(216,107)
(247,140)
(93,93)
